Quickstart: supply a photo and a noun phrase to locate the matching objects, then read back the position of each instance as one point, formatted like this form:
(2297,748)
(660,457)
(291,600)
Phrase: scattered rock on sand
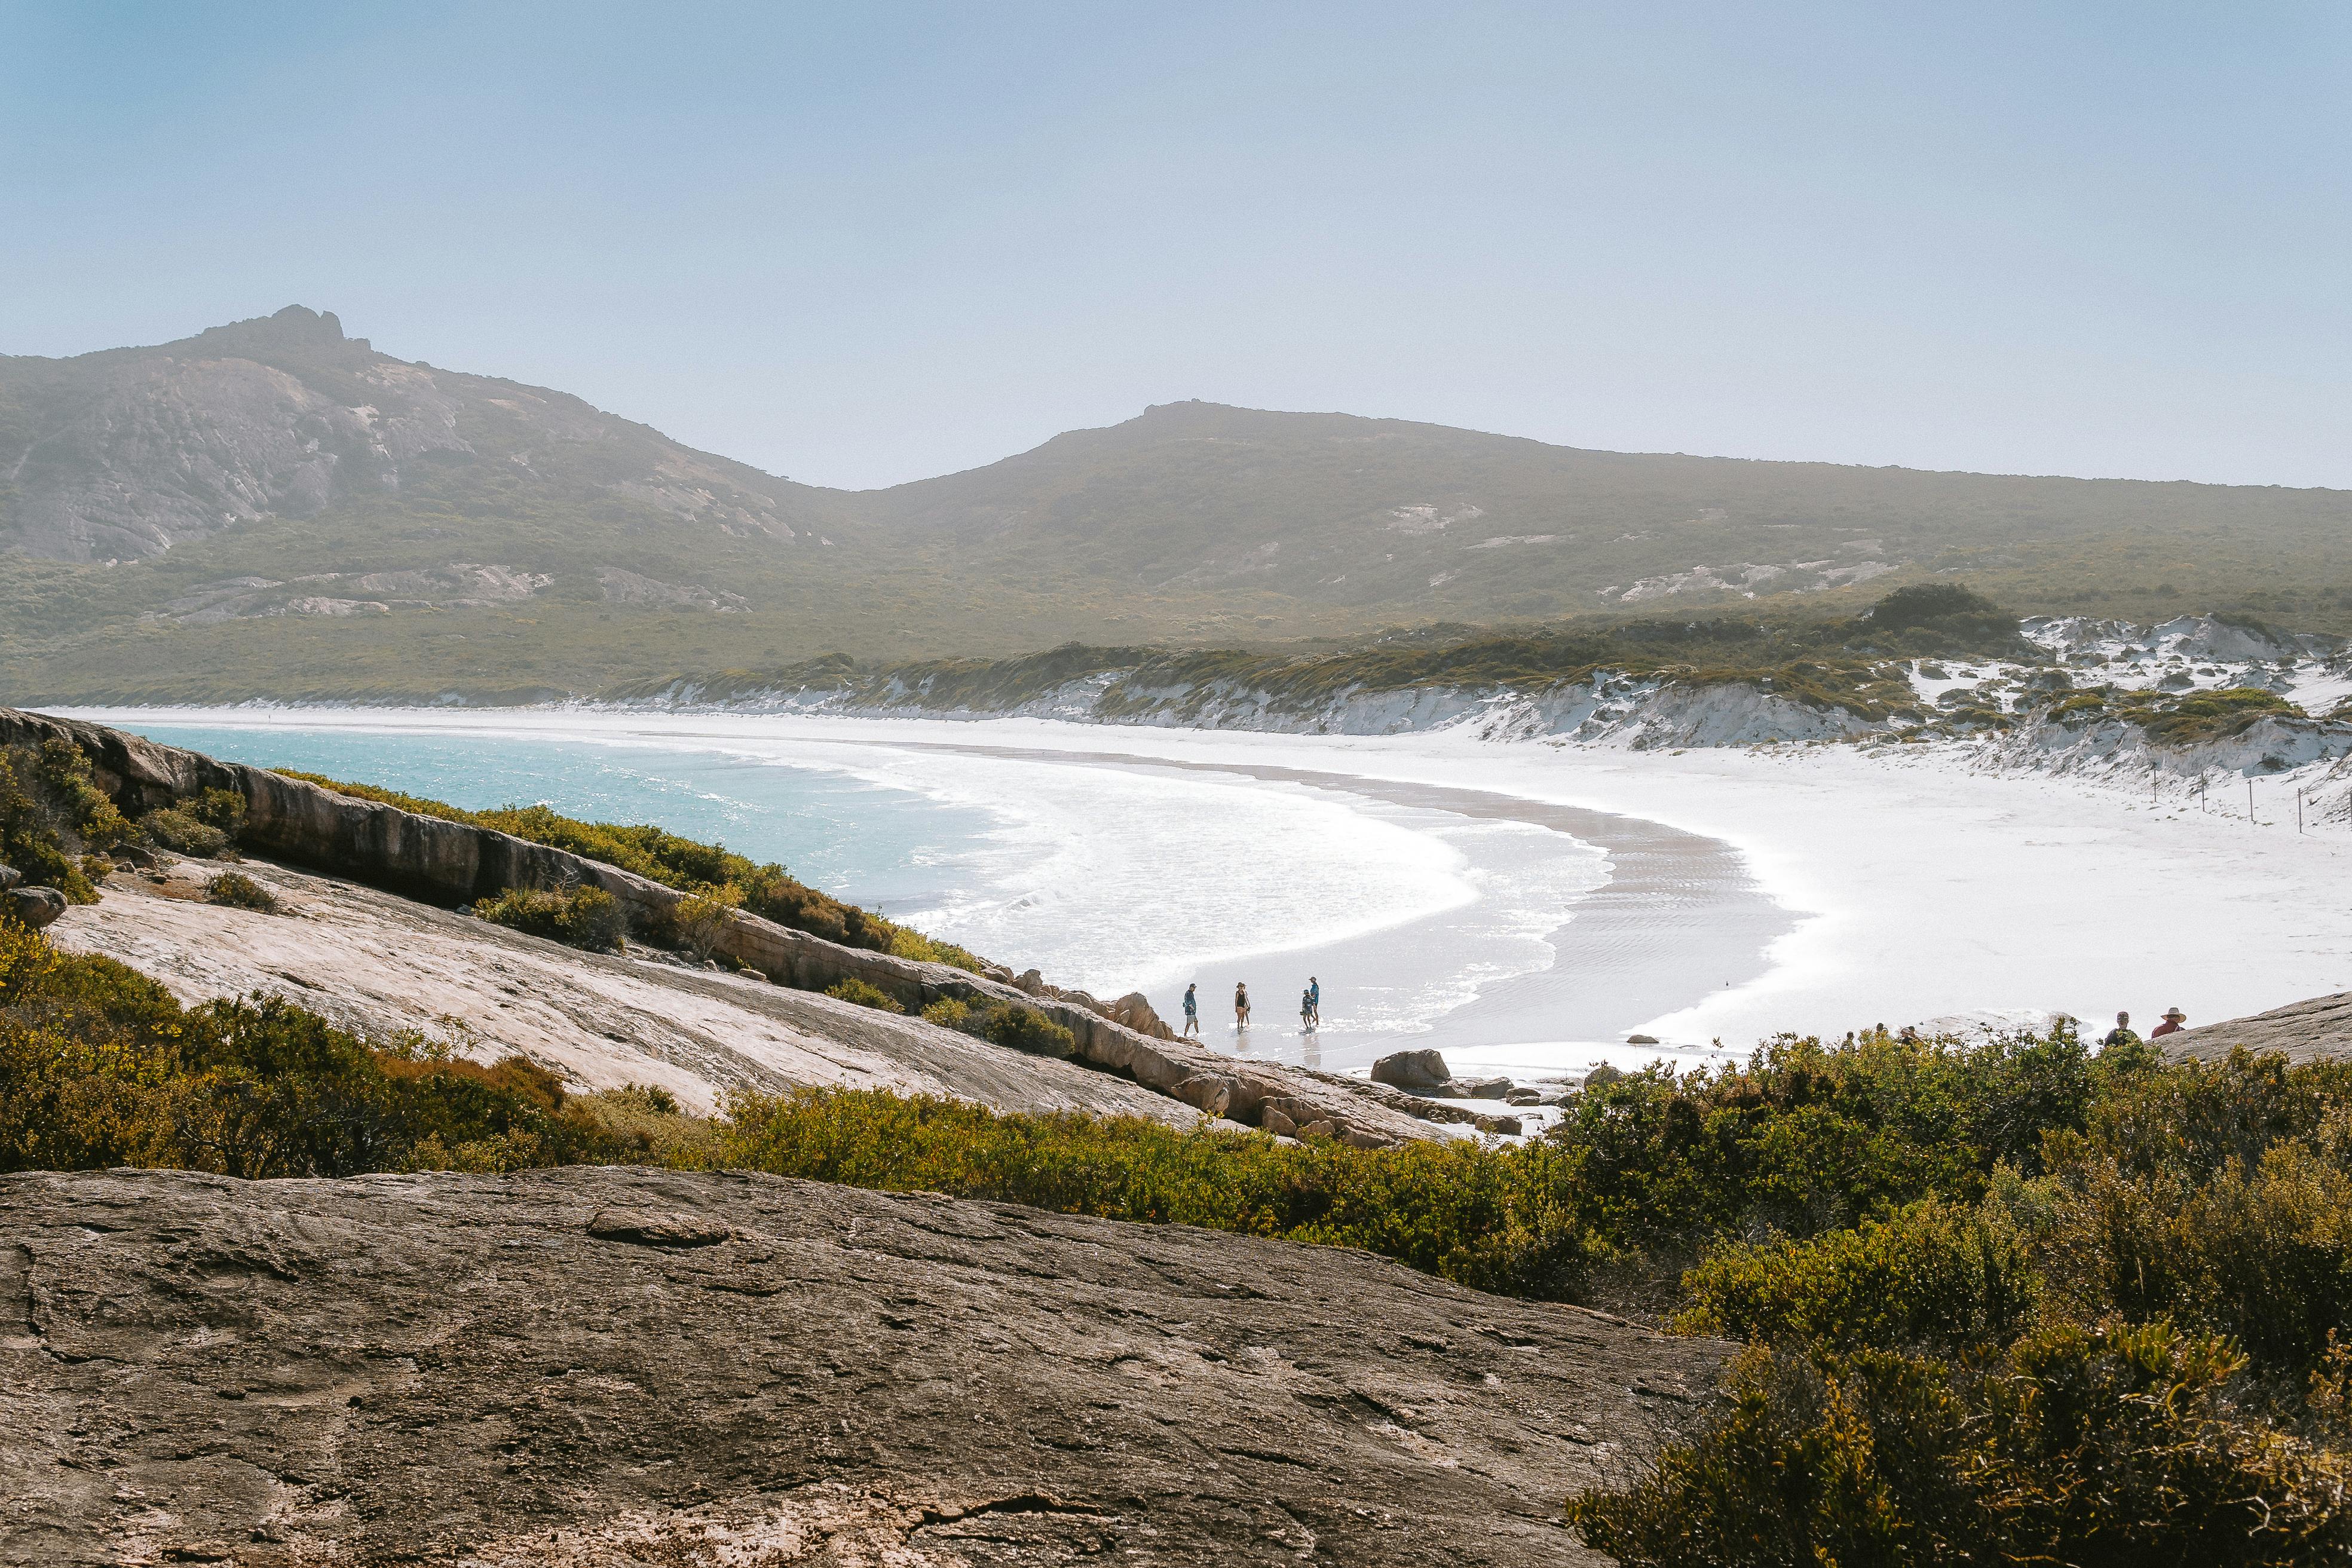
(1483,1088)
(1641,1039)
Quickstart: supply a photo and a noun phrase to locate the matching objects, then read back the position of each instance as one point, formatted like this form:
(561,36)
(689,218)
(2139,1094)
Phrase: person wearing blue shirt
(1193,1008)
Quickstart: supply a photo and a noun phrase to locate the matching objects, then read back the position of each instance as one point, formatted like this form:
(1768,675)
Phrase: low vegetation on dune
(1855,663)
(2177,719)
(2011,1302)
(716,875)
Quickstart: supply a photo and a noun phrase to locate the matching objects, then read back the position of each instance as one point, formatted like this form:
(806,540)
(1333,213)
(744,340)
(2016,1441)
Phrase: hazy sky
(866,243)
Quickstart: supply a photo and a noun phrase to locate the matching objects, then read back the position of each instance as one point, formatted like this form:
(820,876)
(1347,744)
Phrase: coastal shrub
(699,921)
(1932,1273)
(582,917)
(181,834)
(99,1067)
(1006,1024)
(236,890)
(2118,1445)
(947,1013)
(650,1121)
(1025,1029)
(708,870)
(52,814)
(866,995)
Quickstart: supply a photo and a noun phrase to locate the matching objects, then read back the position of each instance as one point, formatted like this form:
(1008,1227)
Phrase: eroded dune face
(615,1366)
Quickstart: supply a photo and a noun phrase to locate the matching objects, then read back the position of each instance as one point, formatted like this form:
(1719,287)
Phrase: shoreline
(1932,893)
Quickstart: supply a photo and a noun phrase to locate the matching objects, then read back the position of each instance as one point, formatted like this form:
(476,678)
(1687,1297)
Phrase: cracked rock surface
(610,1366)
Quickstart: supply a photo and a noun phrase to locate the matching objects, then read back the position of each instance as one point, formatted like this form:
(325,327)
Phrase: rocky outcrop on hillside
(435,860)
(381,965)
(611,1367)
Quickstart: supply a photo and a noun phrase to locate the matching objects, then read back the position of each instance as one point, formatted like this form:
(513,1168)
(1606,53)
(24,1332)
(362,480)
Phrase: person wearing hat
(2173,1018)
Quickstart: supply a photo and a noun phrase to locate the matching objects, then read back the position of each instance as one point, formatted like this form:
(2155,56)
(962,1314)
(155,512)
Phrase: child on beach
(1241,1005)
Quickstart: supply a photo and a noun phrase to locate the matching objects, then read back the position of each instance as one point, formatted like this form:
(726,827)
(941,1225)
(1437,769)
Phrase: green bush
(99,1067)
(2116,1446)
(1005,1023)
(183,835)
(52,814)
(947,1013)
(1929,1274)
(238,892)
(648,1120)
(866,995)
(584,916)
(699,921)
(1026,1029)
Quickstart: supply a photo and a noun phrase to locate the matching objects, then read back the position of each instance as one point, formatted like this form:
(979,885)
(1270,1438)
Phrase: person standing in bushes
(2173,1018)
(2122,1033)
(1241,1005)
(1192,1009)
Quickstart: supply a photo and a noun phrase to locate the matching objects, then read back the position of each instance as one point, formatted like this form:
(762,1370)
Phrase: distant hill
(273,509)
(1420,520)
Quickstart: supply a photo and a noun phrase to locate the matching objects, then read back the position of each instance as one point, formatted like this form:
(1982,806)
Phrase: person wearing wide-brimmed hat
(2173,1018)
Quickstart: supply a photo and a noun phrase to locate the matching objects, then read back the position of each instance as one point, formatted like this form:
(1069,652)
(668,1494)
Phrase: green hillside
(272,509)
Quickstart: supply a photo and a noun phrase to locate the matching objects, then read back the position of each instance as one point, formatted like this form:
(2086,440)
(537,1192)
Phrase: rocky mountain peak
(295,327)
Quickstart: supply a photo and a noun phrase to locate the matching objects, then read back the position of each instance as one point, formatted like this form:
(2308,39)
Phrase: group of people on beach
(1310,1006)
(2122,1033)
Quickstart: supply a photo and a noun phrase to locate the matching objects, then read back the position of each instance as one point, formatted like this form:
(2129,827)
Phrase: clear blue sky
(867,243)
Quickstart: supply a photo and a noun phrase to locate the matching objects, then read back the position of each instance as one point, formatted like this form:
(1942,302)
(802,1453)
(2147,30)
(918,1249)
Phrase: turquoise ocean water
(893,850)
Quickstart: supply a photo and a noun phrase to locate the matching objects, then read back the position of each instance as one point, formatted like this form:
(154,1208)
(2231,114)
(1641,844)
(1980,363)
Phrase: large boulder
(1415,1072)
(598,1366)
(1135,1011)
(9,877)
(33,907)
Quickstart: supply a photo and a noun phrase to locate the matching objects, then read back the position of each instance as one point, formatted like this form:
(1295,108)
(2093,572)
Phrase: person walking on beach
(2173,1018)
(1314,1001)
(2122,1033)
(1241,1005)
(1193,1008)
(1306,1012)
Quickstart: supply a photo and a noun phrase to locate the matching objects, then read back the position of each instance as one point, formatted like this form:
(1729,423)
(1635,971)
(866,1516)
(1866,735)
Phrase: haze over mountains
(272,509)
